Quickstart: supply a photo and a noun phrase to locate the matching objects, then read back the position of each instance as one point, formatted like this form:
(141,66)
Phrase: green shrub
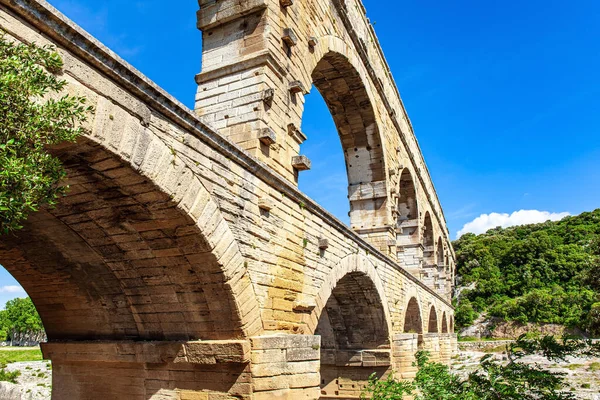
(8,376)
(32,116)
(492,380)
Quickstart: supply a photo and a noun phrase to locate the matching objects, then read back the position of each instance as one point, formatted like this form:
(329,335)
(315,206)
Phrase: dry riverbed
(582,374)
(35,380)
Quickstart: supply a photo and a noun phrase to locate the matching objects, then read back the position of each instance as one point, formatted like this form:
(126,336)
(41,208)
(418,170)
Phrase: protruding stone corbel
(294,132)
(301,163)
(304,306)
(266,204)
(267,136)
(323,243)
(312,41)
(297,87)
(286,3)
(289,37)
(268,95)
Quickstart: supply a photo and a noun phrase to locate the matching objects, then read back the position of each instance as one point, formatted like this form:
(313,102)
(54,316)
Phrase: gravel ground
(580,372)
(34,383)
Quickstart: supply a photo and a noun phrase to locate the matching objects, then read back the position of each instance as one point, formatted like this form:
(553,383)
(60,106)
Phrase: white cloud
(11,289)
(485,222)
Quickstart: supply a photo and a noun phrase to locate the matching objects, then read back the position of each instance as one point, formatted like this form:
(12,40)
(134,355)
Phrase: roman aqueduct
(184,263)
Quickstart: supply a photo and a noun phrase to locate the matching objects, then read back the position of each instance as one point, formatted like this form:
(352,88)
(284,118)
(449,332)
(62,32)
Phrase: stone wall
(173,233)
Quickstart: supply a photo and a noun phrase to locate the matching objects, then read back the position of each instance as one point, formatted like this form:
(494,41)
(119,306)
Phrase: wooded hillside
(542,273)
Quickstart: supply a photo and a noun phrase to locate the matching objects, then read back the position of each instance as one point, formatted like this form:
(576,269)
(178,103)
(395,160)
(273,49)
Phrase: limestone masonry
(184,262)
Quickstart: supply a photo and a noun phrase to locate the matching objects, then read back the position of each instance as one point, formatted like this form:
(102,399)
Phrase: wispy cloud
(463,212)
(11,289)
(485,222)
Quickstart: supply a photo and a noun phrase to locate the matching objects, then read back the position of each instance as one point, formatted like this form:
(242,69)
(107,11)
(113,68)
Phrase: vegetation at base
(32,116)
(492,380)
(20,322)
(9,376)
(541,273)
(8,356)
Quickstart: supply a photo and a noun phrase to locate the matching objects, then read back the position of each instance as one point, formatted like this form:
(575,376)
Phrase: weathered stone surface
(163,249)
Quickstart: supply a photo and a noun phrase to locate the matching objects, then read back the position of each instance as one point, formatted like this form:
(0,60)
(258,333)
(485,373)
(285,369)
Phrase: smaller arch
(440,253)
(407,210)
(427,241)
(432,325)
(354,316)
(412,317)
(349,264)
(444,323)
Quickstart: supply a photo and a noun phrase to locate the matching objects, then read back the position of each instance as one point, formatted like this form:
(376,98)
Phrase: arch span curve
(444,323)
(357,266)
(432,324)
(132,252)
(339,77)
(413,323)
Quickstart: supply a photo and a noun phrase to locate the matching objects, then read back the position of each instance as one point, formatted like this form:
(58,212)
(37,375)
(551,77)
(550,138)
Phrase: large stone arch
(340,78)
(354,326)
(136,250)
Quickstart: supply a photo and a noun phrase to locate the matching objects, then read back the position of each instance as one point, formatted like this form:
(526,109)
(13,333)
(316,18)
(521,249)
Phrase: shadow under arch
(120,258)
(432,324)
(428,242)
(413,323)
(354,327)
(444,323)
(339,77)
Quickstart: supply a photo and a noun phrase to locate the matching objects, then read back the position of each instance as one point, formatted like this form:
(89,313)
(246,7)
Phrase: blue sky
(503,97)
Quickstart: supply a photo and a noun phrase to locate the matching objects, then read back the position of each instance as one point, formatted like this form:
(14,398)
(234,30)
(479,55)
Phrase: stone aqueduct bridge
(184,262)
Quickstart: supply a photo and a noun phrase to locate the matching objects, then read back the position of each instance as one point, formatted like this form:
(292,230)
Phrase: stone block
(266,204)
(301,163)
(289,37)
(323,244)
(296,87)
(267,136)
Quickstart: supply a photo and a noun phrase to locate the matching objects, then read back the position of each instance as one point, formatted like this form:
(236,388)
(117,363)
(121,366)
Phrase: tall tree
(21,322)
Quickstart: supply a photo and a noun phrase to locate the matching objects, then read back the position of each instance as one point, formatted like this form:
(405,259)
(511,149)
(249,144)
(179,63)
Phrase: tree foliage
(21,322)
(492,380)
(33,115)
(541,273)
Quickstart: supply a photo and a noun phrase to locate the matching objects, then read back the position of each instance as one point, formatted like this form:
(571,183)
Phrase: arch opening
(428,242)
(432,325)
(354,336)
(327,180)
(116,259)
(407,211)
(440,254)
(412,317)
(444,323)
(347,99)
